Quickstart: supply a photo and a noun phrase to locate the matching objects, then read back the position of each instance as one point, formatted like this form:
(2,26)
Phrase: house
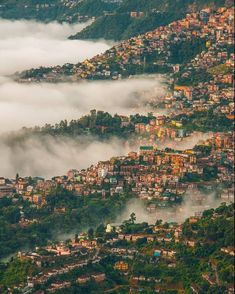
(211,280)
(2,181)
(227,250)
(168,253)
(193,220)
(121,266)
(58,286)
(37,199)
(6,190)
(99,277)
(190,243)
(83,279)
(157,253)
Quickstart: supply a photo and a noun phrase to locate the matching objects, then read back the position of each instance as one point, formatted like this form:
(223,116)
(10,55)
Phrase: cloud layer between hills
(30,105)
(27,44)
(48,156)
(37,104)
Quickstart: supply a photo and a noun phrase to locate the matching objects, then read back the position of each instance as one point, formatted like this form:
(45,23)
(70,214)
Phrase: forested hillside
(137,17)
(122,26)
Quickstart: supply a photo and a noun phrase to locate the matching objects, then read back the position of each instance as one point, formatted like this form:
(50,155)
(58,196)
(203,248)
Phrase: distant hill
(135,17)
(114,19)
(56,10)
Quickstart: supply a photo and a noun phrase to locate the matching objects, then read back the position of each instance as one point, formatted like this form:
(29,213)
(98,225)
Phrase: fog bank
(177,214)
(36,104)
(26,44)
(47,156)
(195,138)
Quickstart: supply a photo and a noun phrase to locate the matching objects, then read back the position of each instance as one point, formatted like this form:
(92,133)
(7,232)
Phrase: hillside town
(206,27)
(159,177)
(197,83)
(112,252)
(71,233)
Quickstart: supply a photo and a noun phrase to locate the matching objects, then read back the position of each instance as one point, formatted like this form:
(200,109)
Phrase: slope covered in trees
(122,24)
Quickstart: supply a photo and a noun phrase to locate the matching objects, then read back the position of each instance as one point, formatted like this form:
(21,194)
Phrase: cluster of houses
(216,29)
(80,251)
(57,259)
(159,177)
(154,175)
(161,128)
(216,60)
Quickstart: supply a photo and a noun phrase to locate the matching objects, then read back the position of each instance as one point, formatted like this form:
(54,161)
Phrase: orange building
(121,266)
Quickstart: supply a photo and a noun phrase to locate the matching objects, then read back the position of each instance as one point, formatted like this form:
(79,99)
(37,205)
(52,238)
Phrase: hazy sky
(27,44)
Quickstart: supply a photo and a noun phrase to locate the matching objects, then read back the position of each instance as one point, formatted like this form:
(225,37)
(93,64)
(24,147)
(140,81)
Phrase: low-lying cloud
(27,44)
(179,214)
(195,138)
(48,156)
(37,104)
